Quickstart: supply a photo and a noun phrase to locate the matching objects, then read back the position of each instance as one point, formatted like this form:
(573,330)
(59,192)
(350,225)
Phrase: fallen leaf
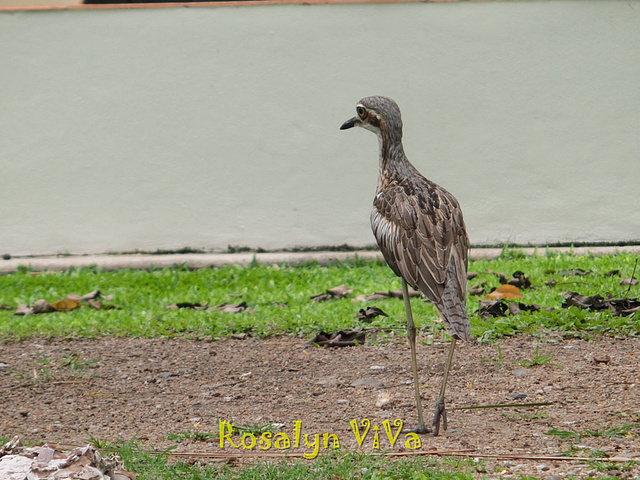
(191,305)
(23,310)
(65,305)
(386,295)
(592,302)
(617,306)
(98,305)
(342,338)
(234,307)
(369,313)
(338,292)
(477,290)
(45,461)
(500,308)
(83,298)
(42,306)
(520,280)
(502,278)
(574,272)
(505,291)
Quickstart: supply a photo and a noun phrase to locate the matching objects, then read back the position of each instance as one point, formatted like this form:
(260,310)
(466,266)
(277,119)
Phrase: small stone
(378,367)
(342,401)
(367,382)
(167,374)
(602,359)
(383,399)
(520,372)
(518,396)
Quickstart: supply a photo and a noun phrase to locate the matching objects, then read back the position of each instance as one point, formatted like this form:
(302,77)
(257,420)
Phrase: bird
(420,230)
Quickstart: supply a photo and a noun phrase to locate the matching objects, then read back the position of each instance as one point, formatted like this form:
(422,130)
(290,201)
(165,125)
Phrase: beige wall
(204,127)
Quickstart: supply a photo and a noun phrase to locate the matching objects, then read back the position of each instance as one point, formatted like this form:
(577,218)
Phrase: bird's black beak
(349,123)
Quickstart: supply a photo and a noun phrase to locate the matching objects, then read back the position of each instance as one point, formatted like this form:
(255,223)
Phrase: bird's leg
(441,412)
(411,333)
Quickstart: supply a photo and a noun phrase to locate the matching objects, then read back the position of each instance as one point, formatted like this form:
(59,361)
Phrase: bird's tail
(453,307)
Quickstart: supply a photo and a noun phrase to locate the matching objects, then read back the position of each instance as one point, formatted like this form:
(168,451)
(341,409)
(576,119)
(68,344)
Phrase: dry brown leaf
(65,305)
(234,307)
(342,338)
(191,305)
(42,306)
(23,310)
(338,292)
(505,291)
(369,313)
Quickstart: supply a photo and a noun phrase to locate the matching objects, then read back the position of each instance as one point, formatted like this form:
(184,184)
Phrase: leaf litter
(18,462)
(72,302)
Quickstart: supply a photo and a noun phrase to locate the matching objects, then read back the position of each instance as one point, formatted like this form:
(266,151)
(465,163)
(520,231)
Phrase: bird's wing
(422,236)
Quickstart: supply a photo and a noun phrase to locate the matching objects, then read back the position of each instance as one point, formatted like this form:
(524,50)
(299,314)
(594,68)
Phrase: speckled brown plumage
(419,228)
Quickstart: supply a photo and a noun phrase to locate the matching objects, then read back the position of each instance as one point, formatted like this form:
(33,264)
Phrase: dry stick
(301,454)
(502,405)
(510,456)
(632,276)
(454,453)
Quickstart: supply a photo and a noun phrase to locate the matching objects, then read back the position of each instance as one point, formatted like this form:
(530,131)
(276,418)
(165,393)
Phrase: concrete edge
(203,260)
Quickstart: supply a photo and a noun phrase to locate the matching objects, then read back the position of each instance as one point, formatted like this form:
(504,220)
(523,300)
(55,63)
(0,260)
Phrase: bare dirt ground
(148,388)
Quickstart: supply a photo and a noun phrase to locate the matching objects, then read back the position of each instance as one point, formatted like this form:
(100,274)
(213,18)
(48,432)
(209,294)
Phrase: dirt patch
(64,391)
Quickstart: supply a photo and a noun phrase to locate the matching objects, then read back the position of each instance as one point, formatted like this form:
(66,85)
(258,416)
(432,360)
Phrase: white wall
(204,127)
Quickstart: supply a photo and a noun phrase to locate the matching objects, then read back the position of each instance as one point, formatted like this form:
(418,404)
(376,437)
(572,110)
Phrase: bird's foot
(440,416)
(420,429)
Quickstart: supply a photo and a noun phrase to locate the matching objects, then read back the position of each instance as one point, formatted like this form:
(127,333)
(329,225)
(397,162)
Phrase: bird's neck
(392,157)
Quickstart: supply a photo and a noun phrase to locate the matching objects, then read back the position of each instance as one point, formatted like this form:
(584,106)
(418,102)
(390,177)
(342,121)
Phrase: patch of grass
(193,435)
(611,432)
(150,465)
(280,299)
(517,417)
(538,359)
(44,369)
(500,361)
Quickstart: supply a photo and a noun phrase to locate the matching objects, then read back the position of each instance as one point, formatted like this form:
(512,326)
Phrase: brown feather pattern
(418,225)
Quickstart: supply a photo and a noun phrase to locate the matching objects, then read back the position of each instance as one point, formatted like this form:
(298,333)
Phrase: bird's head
(381,115)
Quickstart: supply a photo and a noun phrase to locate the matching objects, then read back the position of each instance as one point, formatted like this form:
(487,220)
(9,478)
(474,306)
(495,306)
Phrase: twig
(301,454)
(454,453)
(632,276)
(503,405)
(509,456)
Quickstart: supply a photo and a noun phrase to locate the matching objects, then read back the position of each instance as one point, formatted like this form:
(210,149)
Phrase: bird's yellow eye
(362,112)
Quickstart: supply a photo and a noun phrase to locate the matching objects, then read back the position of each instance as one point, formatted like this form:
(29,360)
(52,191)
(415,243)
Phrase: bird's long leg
(411,333)
(441,412)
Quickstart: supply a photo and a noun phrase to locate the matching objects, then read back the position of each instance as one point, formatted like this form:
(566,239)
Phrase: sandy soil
(62,391)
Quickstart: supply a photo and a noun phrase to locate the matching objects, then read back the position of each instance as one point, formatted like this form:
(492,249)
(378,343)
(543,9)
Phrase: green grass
(338,464)
(279,297)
